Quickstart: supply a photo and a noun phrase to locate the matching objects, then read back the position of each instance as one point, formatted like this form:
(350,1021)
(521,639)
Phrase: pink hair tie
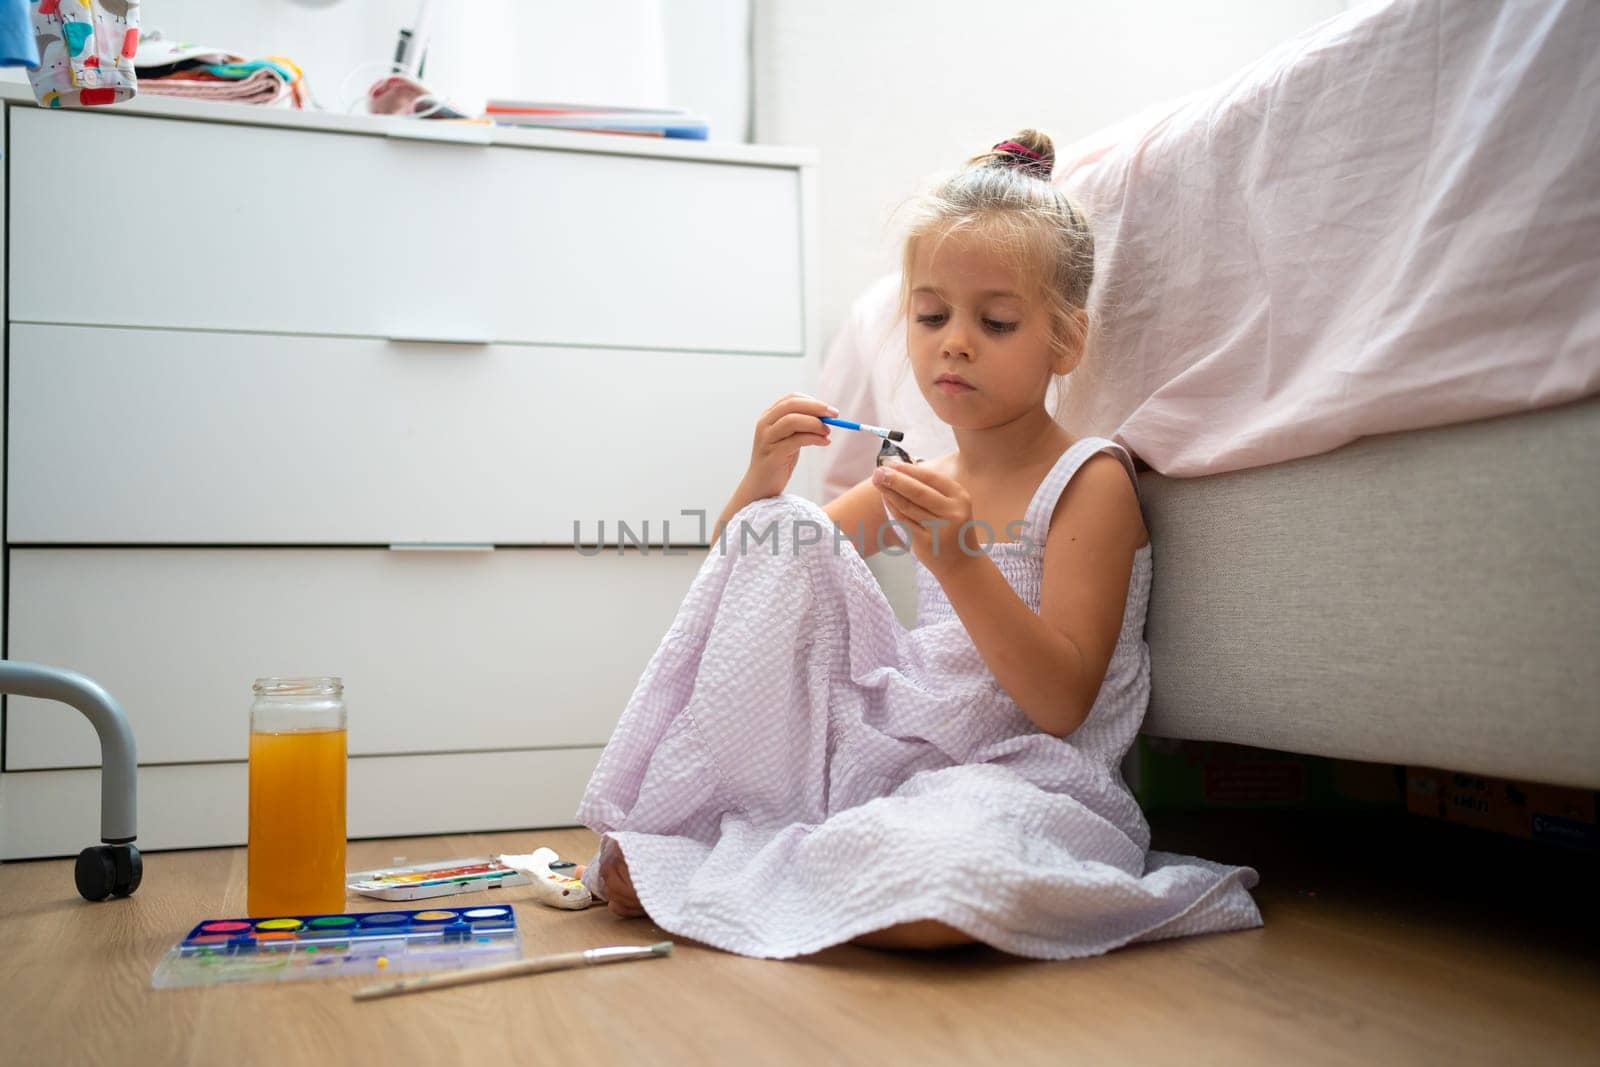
(1021,149)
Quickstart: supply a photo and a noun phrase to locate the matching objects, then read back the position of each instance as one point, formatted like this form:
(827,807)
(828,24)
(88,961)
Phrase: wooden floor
(1390,940)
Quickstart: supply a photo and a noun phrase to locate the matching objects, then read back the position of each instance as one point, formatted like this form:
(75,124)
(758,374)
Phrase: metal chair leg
(115,867)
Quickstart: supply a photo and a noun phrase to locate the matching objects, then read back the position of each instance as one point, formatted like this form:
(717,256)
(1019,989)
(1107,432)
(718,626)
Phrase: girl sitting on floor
(797,769)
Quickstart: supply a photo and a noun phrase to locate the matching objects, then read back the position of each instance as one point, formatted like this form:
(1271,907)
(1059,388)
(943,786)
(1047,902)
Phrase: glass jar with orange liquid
(297,795)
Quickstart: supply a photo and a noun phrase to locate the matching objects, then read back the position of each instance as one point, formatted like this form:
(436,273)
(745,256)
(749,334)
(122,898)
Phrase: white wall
(893,90)
(708,62)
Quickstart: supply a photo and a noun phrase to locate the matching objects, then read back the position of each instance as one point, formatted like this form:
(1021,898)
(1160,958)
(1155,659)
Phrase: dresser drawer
(147,437)
(56,813)
(216,226)
(440,651)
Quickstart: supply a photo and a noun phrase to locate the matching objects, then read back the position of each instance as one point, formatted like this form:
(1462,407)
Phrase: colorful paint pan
(276,935)
(279,924)
(385,918)
(486,913)
(433,916)
(207,939)
(332,922)
(224,926)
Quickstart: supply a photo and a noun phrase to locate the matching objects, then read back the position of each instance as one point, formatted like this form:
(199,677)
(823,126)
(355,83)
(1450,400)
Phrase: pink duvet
(1390,222)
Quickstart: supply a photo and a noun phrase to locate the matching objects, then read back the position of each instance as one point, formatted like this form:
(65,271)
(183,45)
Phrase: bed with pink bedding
(1348,314)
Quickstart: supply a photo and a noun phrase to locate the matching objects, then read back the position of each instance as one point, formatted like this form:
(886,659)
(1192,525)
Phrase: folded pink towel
(264,86)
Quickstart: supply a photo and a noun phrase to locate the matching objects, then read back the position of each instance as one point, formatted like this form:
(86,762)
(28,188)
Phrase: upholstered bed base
(1429,597)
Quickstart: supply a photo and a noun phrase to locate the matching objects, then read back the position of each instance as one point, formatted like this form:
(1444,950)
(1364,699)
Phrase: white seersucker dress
(795,767)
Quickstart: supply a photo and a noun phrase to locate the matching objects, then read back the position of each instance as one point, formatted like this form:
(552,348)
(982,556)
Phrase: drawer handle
(441,546)
(433,339)
(440,132)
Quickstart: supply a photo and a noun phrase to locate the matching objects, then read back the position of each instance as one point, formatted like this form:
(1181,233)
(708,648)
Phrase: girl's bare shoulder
(1102,494)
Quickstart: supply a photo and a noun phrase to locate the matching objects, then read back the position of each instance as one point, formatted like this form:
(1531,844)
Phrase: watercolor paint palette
(290,947)
(435,879)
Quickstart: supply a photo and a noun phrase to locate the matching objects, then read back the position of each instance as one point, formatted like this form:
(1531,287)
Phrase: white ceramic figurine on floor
(549,888)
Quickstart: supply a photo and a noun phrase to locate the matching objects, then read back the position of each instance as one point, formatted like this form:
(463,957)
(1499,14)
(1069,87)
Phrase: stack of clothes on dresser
(200,72)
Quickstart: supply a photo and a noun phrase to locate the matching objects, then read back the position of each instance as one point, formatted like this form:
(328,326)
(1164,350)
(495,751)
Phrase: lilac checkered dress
(795,767)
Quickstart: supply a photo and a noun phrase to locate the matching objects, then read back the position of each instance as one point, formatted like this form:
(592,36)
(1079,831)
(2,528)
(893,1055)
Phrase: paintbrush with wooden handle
(560,961)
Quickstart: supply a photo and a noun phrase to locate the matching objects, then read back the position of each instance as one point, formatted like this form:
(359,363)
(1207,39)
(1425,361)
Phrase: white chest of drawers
(256,360)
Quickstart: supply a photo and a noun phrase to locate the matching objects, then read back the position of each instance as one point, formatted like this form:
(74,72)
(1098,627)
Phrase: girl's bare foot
(620,895)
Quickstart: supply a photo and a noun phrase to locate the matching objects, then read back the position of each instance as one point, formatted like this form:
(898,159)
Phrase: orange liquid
(297,830)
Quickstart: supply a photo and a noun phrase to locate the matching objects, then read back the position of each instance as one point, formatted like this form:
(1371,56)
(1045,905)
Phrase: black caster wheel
(108,871)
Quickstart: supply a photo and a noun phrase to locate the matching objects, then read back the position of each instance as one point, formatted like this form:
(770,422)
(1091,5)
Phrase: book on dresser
(662,122)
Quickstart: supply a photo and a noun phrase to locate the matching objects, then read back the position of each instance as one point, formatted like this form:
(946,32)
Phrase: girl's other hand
(781,432)
(933,507)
